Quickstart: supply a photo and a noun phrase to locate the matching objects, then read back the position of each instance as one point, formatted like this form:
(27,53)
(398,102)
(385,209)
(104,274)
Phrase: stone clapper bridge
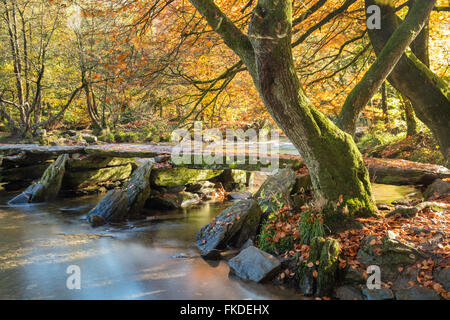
(74,167)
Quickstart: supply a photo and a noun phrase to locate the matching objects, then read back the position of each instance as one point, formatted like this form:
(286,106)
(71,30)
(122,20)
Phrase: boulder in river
(112,208)
(179,176)
(48,186)
(276,191)
(234,226)
(254,264)
(138,187)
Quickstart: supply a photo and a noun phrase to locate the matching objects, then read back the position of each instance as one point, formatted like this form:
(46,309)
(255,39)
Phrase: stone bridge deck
(389,171)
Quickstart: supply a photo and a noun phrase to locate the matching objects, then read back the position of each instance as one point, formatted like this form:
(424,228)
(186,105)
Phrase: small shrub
(311,226)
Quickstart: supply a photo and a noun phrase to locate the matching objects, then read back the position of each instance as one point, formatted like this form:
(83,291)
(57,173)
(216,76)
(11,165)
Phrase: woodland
(358,88)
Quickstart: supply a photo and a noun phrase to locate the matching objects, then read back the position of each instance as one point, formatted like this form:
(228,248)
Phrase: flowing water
(138,260)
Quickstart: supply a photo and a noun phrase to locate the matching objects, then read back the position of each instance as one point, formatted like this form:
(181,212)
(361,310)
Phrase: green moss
(179,176)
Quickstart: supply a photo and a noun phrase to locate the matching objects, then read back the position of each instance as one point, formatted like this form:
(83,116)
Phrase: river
(136,260)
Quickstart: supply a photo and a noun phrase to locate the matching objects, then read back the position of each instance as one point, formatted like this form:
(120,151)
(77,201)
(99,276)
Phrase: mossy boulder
(276,191)
(319,279)
(179,176)
(233,226)
(389,254)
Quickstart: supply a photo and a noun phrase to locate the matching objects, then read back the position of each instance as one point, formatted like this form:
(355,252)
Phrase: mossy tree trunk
(428,93)
(387,58)
(410,115)
(335,164)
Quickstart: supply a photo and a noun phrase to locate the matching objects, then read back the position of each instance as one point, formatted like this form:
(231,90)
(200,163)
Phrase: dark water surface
(138,260)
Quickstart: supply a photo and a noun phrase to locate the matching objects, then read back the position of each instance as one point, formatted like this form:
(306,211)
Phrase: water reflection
(130,261)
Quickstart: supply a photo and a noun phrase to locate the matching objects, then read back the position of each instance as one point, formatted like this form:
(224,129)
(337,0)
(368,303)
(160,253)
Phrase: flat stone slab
(254,264)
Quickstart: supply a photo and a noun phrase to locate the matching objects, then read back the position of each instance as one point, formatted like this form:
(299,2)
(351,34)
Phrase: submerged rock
(254,264)
(179,176)
(234,226)
(112,208)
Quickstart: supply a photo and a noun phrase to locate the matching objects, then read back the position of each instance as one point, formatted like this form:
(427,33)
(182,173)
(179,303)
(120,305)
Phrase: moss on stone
(179,176)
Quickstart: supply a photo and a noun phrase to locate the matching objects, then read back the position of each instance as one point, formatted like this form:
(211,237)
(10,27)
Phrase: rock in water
(275,190)
(234,226)
(112,208)
(254,264)
(48,186)
(171,201)
(138,187)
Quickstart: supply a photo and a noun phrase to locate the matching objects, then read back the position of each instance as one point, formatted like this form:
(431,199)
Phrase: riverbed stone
(254,264)
(179,176)
(234,226)
(112,208)
(378,294)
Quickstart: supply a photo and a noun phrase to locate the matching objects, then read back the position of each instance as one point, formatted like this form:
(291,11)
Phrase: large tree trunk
(335,164)
(428,93)
(387,58)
